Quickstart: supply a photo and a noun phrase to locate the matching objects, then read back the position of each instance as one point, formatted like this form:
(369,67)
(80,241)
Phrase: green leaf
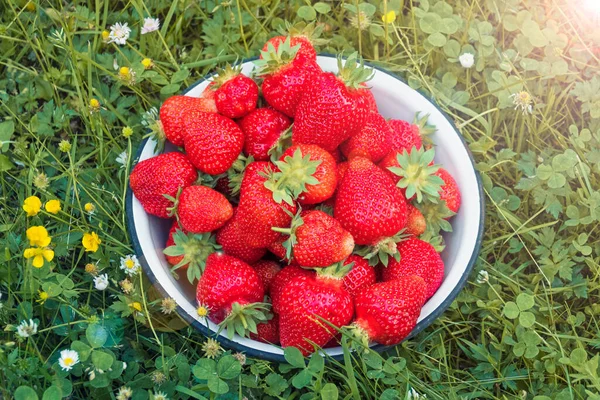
(329,392)
(5,163)
(102,360)
(170,88)
(526,319)
(316,364)
(525,301)
(25,393)
(294,357)
(96,335)
(390,394)
(189,392)
(228,367)
(82,349)
(217,385)
(452,48)
(376,30)
(302,379)
(307,13)
(52,393)
(578,356)
(322,8)
(437,39)
(180,75)
(204,368)
(511,310)
(276,384)
(430,23)
(7,128)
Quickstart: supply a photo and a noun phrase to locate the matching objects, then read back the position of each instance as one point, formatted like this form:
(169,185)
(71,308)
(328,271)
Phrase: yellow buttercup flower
(38,236)
(32,205)
(136,306)
(127,132)
(389,17)
(89,208)
(91,242)
(147,63)
(53,206)
(43,296)
(39,254)
(94,105)
(105,35)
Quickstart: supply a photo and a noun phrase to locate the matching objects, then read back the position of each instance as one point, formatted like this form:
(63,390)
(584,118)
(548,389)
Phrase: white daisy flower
(68,358)
(130,264)
(466,60)
(119,33)
(122,159)
(150,25)
(101,282)
(27,328)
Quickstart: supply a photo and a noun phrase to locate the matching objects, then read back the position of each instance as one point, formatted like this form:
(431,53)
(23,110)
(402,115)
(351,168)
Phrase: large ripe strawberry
(161,175)
(285,276)
(233,239)
(266,270)
(326,173)
(262,129)
(368,204)
(406,135)
(235,94)
(360,276)
(212,141)
(174,109)
(201,209)
(333,108)
(285,76)
(372,141)
(417,258)
(449,191)
(387,312)
(267,332)
(317,240)
(416,223)
(232,292)
(306,303)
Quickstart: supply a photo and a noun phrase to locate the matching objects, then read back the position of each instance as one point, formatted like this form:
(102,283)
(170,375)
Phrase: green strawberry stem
(224,74)
(354,73)
(335,271)
(243,318)
(173,209)
(381,251)
(310,31)
(236,172)
(272,59)
(425,128)
(195,249)
(282,144)
(436,216)
(291,241)
(295,173)
(359,335)
(417,176)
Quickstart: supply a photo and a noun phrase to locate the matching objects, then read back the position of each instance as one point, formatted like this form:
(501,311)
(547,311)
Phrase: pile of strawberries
(296,206)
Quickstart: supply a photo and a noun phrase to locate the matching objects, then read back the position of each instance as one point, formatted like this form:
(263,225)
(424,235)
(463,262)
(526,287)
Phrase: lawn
(74,109)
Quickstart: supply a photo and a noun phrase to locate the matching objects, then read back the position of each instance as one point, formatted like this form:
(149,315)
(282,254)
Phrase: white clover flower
(160,396)
(130,264)
(483,276)
(119,33)
(124,393)
(27,328)
(101,282)
(150,25)
(68,358)
(466,60)
(122,159)
(524,101)
(414,395)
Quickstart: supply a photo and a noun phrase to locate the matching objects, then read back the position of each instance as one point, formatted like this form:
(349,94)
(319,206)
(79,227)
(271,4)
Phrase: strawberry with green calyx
(436,215)
(333,107)
(233,239)
(236,173)
(417,258)
(417,175)
(387,312)
(303,36)
(267,332)
(449,192)
(383,250)
(325,174)
(174,109)
(200,209)
(278,249)
(233,293)
(235,94)
(262,129)
(405,135)
(316,240)
(190,252)
(283,143)
(283,277)
(372,141)
(360,276)
(416,223)
(437,241)
(285,76)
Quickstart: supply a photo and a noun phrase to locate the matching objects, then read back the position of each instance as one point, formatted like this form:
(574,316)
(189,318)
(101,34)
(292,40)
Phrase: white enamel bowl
(395,99)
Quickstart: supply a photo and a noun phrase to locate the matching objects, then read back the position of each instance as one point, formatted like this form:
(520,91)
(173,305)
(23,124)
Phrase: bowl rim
(255,353)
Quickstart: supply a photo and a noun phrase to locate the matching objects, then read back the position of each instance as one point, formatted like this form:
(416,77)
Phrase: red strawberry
(449,191)
(372,141)
(416,224)
(337,156)
(233,239)
(160,175)
(360,276)
(174,260)
(417,258)
(202,209)
(232,292)
(267,332)
(342,168)
(307,301)
(317,240)
(388,161)
(326,173)
(262,129)
(285,276)
(212,141)
(333,108)
(235,94)
(404,136)
(285,76)
(388,311)
(266,270)
(306,51)
(371,101)
(174,109)
(279,250)
(368,204)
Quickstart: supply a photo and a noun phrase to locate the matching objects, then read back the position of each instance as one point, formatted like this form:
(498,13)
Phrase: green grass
(530,330)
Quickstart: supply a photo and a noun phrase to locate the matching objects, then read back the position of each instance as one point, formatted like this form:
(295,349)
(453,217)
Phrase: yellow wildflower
(91,269)
(126,75)
(202,311)
(105,36)
(389,17)
(127,132)
(94,105)
(126,286)
(39,254)
(136,305)
(89,208)
(64,146)
(43,296)
(30,6)
(38,236)
(147,63)
(91,242)
(53,206)
(32,205)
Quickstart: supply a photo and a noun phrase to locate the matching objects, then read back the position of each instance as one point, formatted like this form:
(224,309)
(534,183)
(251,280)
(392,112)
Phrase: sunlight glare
(592,5)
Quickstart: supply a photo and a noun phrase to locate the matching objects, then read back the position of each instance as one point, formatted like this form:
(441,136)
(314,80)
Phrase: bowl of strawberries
(302,198)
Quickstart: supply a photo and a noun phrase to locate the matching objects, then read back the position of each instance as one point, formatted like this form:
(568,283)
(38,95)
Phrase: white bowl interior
(394,99)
